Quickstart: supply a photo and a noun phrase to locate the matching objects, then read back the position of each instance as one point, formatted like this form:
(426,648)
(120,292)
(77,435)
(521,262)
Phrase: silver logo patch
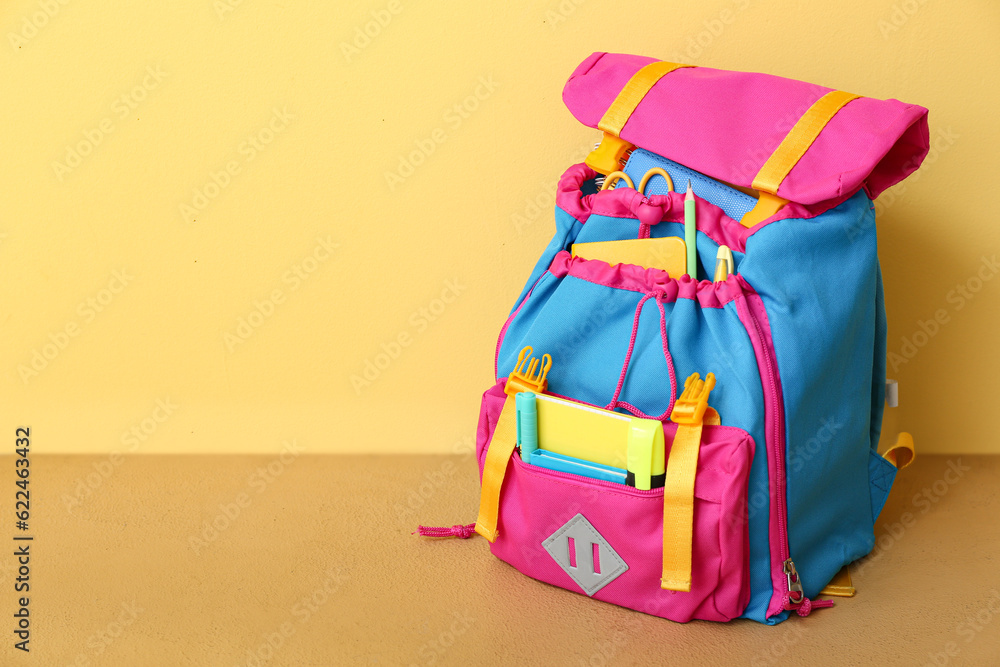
(585,555)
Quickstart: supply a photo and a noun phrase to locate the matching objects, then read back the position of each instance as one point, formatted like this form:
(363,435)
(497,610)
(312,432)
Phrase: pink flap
(726,124)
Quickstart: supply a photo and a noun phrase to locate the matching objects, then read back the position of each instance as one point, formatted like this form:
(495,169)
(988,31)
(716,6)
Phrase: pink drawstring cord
(615,403)
(464,532)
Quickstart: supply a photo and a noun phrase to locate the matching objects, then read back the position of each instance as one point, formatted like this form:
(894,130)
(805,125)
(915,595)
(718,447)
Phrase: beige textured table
(310,561)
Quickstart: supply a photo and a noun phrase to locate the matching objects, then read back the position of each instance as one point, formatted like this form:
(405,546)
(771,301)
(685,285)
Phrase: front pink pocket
(606,540)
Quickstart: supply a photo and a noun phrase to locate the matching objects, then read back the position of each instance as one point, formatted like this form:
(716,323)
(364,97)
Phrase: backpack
(768,383)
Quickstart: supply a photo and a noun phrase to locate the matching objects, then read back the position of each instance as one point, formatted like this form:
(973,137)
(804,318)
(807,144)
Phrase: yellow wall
(170,100)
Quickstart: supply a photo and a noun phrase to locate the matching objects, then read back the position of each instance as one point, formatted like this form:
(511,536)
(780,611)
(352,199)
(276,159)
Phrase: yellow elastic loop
(799,139)
(903,452)
(495,467)
(712,417)
(656,171)
(610,179)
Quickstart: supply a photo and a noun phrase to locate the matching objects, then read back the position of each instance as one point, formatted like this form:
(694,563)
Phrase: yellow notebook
(668,253)
(602,436)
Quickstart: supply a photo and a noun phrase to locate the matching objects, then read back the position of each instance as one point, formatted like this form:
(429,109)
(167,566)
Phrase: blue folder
(735,203)
(553,461)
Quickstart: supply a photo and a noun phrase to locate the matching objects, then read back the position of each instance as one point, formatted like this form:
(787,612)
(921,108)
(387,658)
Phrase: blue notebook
(732,201)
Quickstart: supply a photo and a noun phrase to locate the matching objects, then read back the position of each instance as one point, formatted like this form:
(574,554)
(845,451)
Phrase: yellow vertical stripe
(678,508)
(628,99)
(799,139)
(494,469)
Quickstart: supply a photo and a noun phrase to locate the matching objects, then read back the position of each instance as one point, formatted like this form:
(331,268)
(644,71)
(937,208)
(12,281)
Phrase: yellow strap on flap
(612,152)
(799,139)
(497,456)
(902,453)
(678,508)
(628,99)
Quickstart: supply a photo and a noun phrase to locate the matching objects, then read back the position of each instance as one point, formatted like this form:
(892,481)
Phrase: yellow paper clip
(693,401)
(529,374)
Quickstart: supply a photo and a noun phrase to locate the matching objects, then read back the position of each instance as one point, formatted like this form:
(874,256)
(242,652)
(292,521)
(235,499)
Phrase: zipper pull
(796,599)
(464,532)
(795,593)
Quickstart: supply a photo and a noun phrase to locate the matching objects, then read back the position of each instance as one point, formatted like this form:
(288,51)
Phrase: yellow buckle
(611,155)
(693,401)
(528,374)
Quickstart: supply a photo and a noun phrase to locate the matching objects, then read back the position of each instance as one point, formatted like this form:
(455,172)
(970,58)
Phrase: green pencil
(690,233)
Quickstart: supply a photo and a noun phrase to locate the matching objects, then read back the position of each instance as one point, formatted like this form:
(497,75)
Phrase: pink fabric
(648,281)
(726,124)
(627,203)
(535,502)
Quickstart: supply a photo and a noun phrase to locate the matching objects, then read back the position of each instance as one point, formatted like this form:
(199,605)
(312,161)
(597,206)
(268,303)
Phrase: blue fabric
(822,304)
(821,286)
(567,227)
(882,474)
(606,228)
(878,365)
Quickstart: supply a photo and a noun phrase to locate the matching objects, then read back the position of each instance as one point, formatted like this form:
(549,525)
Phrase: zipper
(793,585)
(795,592)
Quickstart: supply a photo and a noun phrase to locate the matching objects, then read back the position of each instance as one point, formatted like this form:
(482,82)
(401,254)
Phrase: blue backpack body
(794,334)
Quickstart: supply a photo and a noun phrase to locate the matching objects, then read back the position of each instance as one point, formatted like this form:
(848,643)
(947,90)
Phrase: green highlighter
(527,424)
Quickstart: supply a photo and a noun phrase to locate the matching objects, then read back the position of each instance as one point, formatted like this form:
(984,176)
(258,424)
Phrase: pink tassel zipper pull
(464,532)
(804,607)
